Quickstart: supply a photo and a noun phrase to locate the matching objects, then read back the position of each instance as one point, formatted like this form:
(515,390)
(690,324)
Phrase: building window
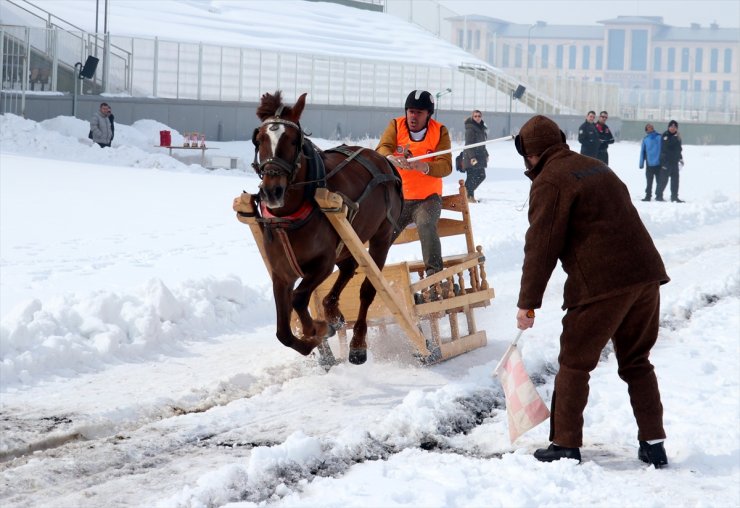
(671,60)
(639,51)
(505,56)
(531,56)
(657,54)
(684,85)
(713,85)
(669,84)
(698,60)
(477,39)
(599,58)
(725,86)
(461,38)
(586,57)
(714,60)
(545,56)
(656,84)
(615,50)
(518,56)
(728,60)
(469,41)
(491,53)
(697,85)
(685,60)
(572,57)
(559,57)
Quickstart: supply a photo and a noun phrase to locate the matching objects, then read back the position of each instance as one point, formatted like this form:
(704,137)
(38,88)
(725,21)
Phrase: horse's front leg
(283,292)
(301,299)
(332,312)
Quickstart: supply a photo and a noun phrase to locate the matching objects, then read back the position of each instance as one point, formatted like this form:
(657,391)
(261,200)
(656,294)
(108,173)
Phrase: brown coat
(581,213)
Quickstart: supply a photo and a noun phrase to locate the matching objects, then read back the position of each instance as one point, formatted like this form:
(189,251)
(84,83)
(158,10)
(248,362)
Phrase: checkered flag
(524,406)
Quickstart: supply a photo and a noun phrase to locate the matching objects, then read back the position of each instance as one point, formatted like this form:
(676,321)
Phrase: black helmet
(420,99)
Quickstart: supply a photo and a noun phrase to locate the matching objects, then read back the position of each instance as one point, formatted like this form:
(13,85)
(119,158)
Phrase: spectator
(580,213)
(670,160)
(102,128)
(417,133)
(605,136)
(650,160)
(475,159)
(588,136)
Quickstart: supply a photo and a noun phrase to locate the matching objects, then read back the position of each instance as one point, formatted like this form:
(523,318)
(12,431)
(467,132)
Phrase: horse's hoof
(357,356)
(326,357)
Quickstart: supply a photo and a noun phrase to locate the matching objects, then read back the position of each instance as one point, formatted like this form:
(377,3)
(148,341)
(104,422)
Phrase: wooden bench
(459,288)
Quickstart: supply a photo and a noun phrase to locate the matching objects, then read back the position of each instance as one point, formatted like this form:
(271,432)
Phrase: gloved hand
(680,163)
(473,162)
(664,168)
(398,161)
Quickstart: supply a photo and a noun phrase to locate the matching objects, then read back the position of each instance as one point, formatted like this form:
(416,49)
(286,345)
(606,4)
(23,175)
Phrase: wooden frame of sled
(458,289)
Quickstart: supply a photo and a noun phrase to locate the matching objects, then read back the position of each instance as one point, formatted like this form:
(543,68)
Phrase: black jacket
(589,139)
(670,150)
(605,136)
(475,133)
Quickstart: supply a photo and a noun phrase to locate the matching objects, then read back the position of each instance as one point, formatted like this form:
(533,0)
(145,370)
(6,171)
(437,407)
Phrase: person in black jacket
(670,160)
(605,137)
(475,159)
(588,136)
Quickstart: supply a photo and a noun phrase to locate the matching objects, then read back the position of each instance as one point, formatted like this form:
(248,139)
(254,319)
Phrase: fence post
(156,66)
(106,63)
(200,69)
(26,71)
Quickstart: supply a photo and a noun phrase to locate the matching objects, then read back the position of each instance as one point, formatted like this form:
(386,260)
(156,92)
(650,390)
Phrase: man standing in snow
(671,160)
(417,133)
(606,137)
(650,156)
(581,213)
(101,126)
(588,137)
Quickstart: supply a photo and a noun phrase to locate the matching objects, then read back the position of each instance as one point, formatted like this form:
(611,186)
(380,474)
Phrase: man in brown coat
(581,213)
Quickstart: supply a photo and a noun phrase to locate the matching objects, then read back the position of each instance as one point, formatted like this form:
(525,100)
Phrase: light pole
(438,95)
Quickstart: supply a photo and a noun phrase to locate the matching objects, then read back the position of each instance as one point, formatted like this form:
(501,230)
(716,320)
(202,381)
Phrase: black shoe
(653,454)
(555,452)
(646,198)
(676,200)
(659,199)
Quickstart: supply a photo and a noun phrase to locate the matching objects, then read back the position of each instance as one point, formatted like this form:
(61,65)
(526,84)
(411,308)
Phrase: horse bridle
(275,166)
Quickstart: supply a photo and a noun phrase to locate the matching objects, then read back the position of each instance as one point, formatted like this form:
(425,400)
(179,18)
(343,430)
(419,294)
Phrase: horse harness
(316,178)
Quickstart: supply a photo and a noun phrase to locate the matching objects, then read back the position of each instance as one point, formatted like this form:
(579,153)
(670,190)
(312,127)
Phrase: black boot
(653,454)
(555,452)
(646,198)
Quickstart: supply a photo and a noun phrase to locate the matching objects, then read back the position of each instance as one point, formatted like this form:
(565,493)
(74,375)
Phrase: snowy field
(138,358)
(140,367)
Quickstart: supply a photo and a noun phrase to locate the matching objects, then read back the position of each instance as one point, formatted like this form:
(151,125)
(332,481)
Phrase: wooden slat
(463,344)
(454,301)
(332,206)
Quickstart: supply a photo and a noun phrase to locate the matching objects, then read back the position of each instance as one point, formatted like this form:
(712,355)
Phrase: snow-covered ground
(140,368)
(139,364)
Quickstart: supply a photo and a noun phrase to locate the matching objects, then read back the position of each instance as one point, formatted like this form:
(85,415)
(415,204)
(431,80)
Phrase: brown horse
(299,241)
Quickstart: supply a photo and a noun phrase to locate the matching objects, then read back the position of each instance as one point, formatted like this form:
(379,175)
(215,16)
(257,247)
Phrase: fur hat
(673,122)
(537,135)
(420,99)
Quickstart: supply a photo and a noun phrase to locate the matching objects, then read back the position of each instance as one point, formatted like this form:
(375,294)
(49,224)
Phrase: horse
(299,241)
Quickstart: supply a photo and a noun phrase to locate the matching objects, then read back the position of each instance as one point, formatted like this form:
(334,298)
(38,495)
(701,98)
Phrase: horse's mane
(269,104)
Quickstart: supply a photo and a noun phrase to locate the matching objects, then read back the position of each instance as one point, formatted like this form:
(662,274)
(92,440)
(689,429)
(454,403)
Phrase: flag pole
(459,148)
(507,354)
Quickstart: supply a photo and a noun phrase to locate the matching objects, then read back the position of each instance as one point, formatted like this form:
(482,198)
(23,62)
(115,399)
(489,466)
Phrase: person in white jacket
(101,126)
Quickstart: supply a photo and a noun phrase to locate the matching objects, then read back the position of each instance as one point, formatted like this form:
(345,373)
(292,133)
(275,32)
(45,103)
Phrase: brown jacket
(581,213)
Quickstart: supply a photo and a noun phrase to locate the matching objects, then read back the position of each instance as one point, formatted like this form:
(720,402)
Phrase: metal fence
(43,60)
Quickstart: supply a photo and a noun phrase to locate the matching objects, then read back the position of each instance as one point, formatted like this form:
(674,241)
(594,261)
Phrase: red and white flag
(524,406)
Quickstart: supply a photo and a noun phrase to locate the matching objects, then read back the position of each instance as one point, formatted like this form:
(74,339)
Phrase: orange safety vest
(417,185)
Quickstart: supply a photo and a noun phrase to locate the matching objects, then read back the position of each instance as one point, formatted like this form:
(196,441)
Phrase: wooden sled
(405,297)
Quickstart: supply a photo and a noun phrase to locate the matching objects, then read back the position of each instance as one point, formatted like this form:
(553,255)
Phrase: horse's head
(278,142)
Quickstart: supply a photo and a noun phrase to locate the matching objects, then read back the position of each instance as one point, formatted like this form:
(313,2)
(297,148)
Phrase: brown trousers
(631,321)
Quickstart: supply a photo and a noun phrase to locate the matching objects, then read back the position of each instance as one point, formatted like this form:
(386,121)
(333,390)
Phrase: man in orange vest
(414,134)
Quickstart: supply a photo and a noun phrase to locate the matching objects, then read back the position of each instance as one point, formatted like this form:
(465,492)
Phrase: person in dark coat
(605,137)
(581,214)
(650,160)
(475,160)
(588,137)
(671,160)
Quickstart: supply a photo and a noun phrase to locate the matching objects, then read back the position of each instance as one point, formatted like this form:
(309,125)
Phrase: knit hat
(537,135)
(673,122)
(420,99)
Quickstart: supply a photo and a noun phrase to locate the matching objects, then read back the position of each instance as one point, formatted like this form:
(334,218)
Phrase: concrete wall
(229,121)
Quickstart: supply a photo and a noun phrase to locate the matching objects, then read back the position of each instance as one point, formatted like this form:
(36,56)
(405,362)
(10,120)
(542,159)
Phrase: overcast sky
(586,12)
